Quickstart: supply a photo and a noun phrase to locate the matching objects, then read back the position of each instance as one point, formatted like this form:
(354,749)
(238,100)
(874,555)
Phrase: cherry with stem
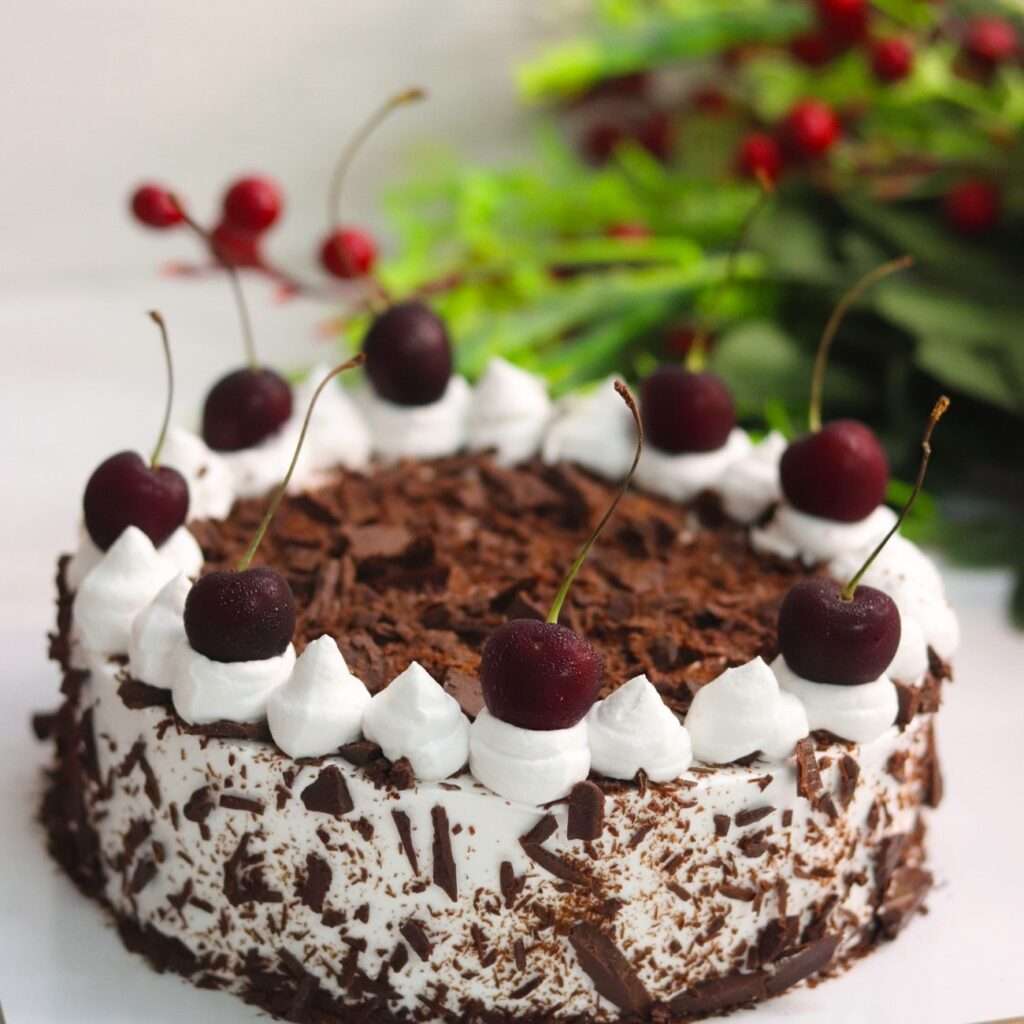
(839,470)
(350,252)
(542,675)
(248,614)
(124,491)
(848,634)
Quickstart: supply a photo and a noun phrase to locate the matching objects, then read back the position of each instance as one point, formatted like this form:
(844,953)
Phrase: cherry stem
(832,326)
(355,144)
(696,358)
(279,493)
(233,278)
(926,453)
(154,459)
(556,606)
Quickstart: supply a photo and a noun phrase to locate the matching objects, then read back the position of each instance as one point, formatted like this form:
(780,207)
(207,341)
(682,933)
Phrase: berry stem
(233,277)
(832,326)
(696,358)
(556,606)
(926,453)
(154,459)
(365,130)
(279,492)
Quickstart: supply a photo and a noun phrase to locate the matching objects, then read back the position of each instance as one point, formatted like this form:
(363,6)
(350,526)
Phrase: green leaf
(763,363)
(573,67)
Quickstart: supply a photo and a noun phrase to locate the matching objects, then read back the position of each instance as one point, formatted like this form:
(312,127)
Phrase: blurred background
(591,186)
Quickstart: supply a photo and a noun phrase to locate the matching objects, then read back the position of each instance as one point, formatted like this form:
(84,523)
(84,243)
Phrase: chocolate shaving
(313,888)
(241,803)
(808,778)
(722,823)
(328,794)
(849,773)
(737,892)
(136,695)
(414,933)
(402,823)
(802,963)
(511,884)
(541,832)
(519,955)
(748,817)
(137,758)
(586,811)
(612,974)
(360,752)
(445,875)
(777,937)
(719,994)
(145,872)
(904,896)
(243,877)
(526,988)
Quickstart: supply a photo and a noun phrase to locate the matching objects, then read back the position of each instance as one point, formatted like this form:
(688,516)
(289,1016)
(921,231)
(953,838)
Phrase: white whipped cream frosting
(634,730)
(413,717)
(530,766)
(743,711)
(681,477)
(321,706)
(207,691)
(595,431)
(812,539)
(509,413)
(418,431)
(116,589)
(181,550)
(158,634)
(859,714)
(904,572)
(752,485)
(211,484)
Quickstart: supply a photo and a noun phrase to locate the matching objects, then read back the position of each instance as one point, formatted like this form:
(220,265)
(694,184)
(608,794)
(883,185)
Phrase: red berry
(240,616)
(846,21)
(348,253)
(152,205)
(124,491)
(238,248)
(760,156)
(972,207)
(539,675)
(839,472)
(812,128)
(629,230)
(827,638)
(252,204)
(686,412)
(991,41)
(814,48)
(709,99)
(891,59)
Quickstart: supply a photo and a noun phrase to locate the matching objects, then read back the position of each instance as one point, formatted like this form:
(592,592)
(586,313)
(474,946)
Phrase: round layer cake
(352,886)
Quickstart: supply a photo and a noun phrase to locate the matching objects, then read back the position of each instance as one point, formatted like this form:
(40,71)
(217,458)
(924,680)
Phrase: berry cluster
(252,205)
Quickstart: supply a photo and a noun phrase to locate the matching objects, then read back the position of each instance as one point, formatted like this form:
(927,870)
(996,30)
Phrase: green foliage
(524,260)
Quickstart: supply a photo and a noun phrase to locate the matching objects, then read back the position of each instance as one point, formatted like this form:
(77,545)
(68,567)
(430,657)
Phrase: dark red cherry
(972,207)
(408,354)
(125,491)
(760,156)
(252,204)
(153,206)
(828,638)
(657,134)
(600,141)
(812,128)
(240,616)
(991,41)
(629,231)
(348,253)
(839,472)
(539,675)
(891,59)
(686,412)
(244,408)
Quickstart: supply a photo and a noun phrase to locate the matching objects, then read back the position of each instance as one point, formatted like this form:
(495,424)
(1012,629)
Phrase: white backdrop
(100,93)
